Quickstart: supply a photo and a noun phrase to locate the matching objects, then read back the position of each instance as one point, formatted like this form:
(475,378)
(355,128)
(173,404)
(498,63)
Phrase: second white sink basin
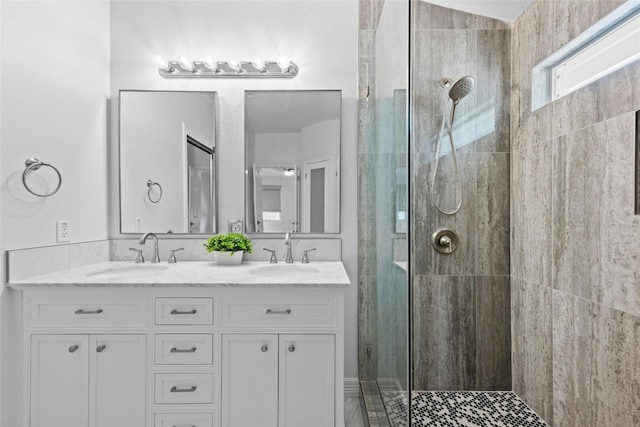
(283,270)
(128,271)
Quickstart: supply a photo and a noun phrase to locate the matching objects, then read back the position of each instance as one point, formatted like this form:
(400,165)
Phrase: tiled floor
(353,413)
(472,408)
(457,409)
(461,409)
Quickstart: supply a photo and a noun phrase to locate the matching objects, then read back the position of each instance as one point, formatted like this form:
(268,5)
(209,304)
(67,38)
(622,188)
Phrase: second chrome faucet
(156,254)
(287,243)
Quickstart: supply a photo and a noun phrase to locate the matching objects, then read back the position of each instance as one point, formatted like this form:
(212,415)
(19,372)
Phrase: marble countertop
(194,273)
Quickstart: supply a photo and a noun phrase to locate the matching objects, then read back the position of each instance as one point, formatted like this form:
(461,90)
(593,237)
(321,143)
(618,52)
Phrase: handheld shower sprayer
(457,91)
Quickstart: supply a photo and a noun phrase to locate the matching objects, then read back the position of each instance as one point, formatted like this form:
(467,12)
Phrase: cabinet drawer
(320,311)
(87,311)
(184,388)
(184,311)
(180,419)
(184,349)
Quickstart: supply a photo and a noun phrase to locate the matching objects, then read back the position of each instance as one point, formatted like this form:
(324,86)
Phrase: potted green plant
(228,249)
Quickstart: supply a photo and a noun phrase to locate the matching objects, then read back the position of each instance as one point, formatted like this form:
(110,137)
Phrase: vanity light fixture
(187,65)
(289,172)
(258,64)
(235,65)
(210,64)
(284,63)
(208,67)
(163,64)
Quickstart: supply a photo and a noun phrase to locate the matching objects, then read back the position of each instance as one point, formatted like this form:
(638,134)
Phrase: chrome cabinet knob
(264,348)
(292,348)
(73,348)
(101,348)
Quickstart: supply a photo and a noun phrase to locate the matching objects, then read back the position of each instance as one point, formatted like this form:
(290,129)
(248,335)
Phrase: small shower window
(607,46)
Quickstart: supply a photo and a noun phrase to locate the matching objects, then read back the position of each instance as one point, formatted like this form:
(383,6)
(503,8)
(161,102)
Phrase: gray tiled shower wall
(575,241)
(461,302)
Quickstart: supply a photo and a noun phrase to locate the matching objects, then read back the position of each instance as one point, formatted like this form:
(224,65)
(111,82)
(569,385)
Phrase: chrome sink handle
(156,255)
(305,257)
(140,257)
(172,257)
(273,259)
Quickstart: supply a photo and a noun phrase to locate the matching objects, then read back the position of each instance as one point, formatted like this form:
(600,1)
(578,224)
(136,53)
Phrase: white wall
(320,36)
(54,88)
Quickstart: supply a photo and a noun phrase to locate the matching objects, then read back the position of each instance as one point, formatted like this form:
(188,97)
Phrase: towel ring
(150,185)
(33,164)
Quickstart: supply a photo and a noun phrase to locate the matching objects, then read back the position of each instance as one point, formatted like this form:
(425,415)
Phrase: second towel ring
(150,185)
(33,164)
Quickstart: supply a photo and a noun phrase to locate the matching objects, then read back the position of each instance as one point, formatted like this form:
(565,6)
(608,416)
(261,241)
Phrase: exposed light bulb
(211,64)
(186,63)
(284,63)
(235,64)
(258,64)
(161,62)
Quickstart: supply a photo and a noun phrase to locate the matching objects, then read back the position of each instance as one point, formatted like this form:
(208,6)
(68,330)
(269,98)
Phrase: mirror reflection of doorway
(319,196)
(200,203)
(275,198)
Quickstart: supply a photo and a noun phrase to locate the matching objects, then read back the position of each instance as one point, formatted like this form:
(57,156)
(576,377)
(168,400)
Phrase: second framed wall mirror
(292,161)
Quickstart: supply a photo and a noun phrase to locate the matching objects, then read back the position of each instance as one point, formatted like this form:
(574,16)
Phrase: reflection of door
(257,199)
(318,198)
(275,198)
(199,202)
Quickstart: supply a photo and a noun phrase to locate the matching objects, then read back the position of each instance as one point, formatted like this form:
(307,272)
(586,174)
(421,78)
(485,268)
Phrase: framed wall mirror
(168,162)
(292,161)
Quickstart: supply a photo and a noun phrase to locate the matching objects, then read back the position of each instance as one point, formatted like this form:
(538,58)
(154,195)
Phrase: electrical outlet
(63,228)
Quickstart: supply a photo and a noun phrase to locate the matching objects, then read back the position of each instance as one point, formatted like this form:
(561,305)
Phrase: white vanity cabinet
(95,380)
(286,380)
(180,355)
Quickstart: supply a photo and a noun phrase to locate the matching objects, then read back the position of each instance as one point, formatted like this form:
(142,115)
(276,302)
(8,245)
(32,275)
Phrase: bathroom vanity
(187,344)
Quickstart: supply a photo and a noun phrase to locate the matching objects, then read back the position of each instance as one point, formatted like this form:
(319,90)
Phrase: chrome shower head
(461,88)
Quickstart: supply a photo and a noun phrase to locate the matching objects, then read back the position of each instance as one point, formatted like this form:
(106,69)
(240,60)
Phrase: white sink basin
(128,271)
(283,270)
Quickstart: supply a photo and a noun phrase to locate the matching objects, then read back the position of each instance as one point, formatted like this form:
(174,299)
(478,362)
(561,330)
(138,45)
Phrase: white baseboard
(351,387)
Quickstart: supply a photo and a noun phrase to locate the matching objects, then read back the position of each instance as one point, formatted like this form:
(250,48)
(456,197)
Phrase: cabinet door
(307,380)
(249,380)
(118,379)
(59,380)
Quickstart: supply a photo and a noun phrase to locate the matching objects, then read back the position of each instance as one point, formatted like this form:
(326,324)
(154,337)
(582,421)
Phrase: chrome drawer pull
(179,426)
(81,311)
(73,348)
(194,311)
(188,350)
(101,348)
(287,311)
(292,348)
(264,348)
(183,390)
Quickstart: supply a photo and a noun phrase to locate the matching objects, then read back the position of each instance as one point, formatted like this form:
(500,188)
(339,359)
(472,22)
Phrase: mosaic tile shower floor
(461,409)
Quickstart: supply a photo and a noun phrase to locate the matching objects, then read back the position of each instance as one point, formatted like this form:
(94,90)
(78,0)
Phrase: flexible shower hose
(449,130)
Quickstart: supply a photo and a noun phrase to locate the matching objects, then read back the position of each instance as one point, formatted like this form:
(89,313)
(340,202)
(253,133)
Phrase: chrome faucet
(287,242)
(156,255)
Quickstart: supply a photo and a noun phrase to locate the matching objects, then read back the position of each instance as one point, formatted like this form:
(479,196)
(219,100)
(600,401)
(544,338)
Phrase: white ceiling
(504,10)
